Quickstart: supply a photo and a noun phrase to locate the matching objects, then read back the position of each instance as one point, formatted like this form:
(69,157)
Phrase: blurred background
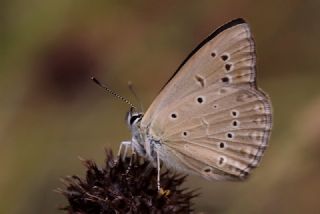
(51,113)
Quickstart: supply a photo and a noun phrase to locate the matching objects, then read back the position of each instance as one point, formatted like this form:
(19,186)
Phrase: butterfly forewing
(210,118)
(205,65)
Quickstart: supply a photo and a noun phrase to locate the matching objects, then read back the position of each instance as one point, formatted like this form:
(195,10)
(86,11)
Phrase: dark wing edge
(205,41)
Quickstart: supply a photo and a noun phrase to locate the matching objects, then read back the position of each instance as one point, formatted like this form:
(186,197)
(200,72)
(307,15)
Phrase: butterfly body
(210,119)
(148,145)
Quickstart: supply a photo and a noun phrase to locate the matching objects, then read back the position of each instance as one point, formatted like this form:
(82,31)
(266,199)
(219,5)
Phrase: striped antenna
(130,85)
(112,92)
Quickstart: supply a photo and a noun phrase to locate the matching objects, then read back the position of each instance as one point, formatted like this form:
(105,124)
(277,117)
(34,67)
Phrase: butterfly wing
(211,118)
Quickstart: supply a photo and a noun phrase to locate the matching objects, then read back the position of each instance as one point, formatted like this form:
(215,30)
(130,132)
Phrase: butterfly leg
(133,153)
(123,144)
(125,152)
(158,171)
(161,191)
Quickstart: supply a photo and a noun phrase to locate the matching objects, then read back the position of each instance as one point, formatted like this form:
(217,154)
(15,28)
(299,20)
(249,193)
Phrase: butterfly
(210,119)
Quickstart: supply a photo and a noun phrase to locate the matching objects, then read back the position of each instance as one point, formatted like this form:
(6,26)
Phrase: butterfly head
(133,118)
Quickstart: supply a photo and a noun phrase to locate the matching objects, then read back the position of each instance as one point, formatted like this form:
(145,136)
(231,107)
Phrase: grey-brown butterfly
(210,119)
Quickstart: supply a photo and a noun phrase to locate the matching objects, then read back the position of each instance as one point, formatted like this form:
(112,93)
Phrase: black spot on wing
(209,38)
(200,80)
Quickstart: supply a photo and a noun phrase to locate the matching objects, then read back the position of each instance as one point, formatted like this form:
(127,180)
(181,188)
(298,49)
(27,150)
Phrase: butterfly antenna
(130,85)
(112,92)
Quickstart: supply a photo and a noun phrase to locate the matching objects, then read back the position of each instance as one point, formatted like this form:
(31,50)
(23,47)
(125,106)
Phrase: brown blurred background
(51,112)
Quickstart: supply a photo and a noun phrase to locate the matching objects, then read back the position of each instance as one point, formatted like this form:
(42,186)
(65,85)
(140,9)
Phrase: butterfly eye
(133,118)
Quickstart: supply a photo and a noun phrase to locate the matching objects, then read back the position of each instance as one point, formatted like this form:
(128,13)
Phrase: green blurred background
(51,112)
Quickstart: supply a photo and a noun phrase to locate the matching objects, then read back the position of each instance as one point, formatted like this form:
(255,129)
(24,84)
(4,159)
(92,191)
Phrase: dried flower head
(115,189)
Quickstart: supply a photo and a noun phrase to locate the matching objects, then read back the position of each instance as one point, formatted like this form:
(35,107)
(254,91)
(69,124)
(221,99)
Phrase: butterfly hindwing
(211,118)
(228,134)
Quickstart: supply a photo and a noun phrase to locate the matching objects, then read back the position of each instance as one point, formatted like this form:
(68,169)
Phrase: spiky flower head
(118,188)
